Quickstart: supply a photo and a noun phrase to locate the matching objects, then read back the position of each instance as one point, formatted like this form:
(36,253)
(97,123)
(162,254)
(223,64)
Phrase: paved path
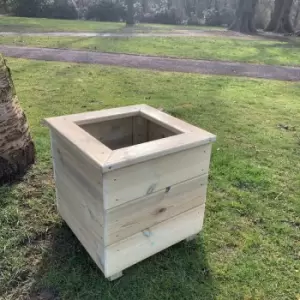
(223,33)
(155,63)
(175,33)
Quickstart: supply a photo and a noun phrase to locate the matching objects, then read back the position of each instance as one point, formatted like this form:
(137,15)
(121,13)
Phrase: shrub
(227,16)
(60,9)
(162,16)
(106,10)
(212,17)
(28,8)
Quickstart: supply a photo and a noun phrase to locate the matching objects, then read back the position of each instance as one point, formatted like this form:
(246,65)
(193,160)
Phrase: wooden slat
(139,180)
(174,124)
(156,131)
(86,174)
(91,244)
(139,130)
(132,217)
(79,191)
(104,115)
(122,158)
(114,134)
(80,142)
(128,252)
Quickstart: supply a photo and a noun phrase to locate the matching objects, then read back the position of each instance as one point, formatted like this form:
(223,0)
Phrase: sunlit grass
(249,248)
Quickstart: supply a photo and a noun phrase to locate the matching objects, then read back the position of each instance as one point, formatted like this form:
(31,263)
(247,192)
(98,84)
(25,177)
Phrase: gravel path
(155,63)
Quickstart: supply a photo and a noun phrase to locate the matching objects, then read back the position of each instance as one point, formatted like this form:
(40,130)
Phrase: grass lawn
(19,24)
(249,248)
(252,51)
(43,25)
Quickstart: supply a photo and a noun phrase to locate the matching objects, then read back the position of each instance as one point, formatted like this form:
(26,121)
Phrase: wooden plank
(122,158)
(139,130)
(174,124)
(138,215)
(79,190)
(115,276)
(87,213)
(88,176)
(78,139)
(114,134)
(142,245)
(102,115)
(156,131)
(136,181)
(91,244)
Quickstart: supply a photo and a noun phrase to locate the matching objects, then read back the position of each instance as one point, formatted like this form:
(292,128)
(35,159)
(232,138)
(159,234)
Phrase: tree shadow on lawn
(67,272)
(21,28)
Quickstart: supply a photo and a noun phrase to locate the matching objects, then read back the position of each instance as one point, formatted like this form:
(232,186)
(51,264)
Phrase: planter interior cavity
(125,132)
(130,181)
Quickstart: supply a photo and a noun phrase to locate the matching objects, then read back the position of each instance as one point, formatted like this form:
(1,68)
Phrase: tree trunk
(296,16)
(130,12)
(244,20)
(145,6)
(280,18)
(17,151)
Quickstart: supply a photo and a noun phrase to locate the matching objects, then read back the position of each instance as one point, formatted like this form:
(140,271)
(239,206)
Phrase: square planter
(130,181)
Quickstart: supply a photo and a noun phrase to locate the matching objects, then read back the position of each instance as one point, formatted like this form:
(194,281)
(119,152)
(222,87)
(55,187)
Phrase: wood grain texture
(104,115)
(140,180)
(139,130)
(91,244)
(81,142)
(174,124)
(142,245)
(122,158)
(114,134)
(134,216)
(130,181)
(156,131)
(79,196)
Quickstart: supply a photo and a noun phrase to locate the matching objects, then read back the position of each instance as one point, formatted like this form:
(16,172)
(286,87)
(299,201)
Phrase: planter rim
(187,136)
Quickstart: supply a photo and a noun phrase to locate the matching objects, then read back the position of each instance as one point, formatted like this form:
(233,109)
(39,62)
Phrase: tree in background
(245,17)
(145,6)
(280,18)
(4,6)
(130,12)
(17,150)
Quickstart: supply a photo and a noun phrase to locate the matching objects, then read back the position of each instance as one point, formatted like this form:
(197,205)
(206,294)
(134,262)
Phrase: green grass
(43,25)
(249,248)
(19,24)
(251,51)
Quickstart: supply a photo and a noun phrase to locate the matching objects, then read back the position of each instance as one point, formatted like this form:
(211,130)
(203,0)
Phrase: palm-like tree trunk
(17,151)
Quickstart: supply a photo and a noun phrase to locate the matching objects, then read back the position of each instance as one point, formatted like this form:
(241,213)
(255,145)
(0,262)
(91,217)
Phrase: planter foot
(115,276)
(191,238)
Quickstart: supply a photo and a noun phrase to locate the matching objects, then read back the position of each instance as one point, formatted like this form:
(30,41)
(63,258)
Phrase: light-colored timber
(130,181)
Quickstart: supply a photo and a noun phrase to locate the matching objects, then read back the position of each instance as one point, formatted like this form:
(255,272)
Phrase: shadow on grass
(67,272)
(21,28)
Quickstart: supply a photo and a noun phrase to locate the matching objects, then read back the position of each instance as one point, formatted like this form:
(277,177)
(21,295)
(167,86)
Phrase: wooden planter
(130,181)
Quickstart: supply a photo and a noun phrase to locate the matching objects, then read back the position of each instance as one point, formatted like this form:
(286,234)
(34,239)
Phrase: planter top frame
(186,136)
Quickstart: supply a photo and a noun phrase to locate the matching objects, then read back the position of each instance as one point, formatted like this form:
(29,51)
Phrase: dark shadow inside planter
(126,132)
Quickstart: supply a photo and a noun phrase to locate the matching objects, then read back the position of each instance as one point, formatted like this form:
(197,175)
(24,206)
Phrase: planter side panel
(142,179)
(140,246)
(113,133)
(138,215)
(79,195)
